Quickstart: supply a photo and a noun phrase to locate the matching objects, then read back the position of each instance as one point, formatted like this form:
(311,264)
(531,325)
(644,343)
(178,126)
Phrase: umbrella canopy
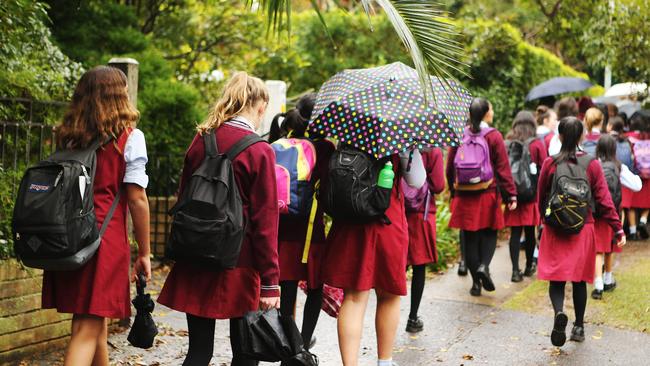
(382,111)
(558,86)
(144,330)
(626,89)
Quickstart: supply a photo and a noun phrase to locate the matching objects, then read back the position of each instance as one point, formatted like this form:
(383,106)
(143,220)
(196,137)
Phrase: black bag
(520,162)
(612,173)
(351,192)
(144,330)
(268,336)
(570,198)
(54,223)
(208,223)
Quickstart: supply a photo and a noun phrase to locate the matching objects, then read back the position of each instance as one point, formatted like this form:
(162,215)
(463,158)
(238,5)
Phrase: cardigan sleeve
(544,184)
(501,164)
(435,171)
(603,198)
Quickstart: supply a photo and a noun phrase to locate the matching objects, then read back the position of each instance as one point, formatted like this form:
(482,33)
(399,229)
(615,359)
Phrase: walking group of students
(279,250)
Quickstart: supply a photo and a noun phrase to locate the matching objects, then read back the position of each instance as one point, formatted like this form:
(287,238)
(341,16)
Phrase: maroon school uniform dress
(640,199)
(293,232)
(527,213)
(422,232)
(373,255)
(234,292)
(473,211)
(101,286)
(565,257)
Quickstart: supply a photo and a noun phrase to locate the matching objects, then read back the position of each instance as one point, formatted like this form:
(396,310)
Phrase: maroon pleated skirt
(422,238)
(605,238)
(641,199)
(292,268)
(526,214)
(627,196)
(473,212)
(567,257)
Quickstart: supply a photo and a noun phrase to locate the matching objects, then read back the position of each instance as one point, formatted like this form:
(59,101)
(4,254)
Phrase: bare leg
(644,214)
(350,325)
(599,266)
(631,218)
(609,262)
(86,332)
(101,352)
(386,322)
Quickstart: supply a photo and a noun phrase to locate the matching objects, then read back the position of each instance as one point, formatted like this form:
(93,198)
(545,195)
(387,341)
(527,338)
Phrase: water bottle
(386,176)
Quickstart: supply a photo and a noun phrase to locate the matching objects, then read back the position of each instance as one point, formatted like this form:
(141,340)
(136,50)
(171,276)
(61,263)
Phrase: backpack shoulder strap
(110,213)
(210,143)
(584,161)
(485,131)
(243,144)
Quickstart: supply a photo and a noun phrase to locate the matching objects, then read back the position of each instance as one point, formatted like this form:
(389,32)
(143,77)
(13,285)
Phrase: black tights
(201,334)
(515,237)
(417,288)
(461,240)
(556,293)
(479,249)
(312,307)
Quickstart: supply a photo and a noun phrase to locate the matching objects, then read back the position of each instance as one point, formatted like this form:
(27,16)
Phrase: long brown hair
(242,91)
(523,127)
(100,108)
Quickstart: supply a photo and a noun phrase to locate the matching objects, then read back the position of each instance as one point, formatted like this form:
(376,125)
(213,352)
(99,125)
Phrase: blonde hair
(242,92)
(593,118)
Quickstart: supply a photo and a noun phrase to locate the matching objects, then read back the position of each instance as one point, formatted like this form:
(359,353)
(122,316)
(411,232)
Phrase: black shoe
(462,268)
(414,325)
(597,294)
(476,289)
(577,333)
(516,276)
(633,237)
(558,335)
(530,271)
(483,274)
(312,343)
(642,229)
(610,287)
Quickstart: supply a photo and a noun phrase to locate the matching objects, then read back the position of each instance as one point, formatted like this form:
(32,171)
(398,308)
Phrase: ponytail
(542,113)
(477,111)
(241,92)
(571,130)
(593,118)
(295,121)
(275,133)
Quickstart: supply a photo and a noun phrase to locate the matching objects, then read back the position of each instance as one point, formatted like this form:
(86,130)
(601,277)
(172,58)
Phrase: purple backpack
(416,198)
(472,162)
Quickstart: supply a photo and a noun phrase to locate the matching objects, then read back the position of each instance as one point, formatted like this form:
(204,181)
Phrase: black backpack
(613,177)
(570,199)
(520,161)
(207,221)
(54,226)
(351,193)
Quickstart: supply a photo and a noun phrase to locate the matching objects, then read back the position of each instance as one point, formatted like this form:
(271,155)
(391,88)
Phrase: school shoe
(577,333)
(642,229)
(597,294)
(633,237)
(483,274)
(476,289)
(312,343)
(530,271)
(414,325)
(558,335)
(516,276)
(462,268)
(610,287)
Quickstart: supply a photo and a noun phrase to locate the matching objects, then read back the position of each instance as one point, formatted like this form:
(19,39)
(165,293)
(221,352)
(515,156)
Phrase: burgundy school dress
(565,257)
(232,293)
(101,286)
(473,211)
(527,213)
(373,255)
(293,232)
(422,232)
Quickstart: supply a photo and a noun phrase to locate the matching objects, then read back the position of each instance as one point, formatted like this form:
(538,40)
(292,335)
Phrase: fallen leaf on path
(416,348)
(182,333)
(598,335)
(468,357)
(514,338)
(414,337)
(443,350)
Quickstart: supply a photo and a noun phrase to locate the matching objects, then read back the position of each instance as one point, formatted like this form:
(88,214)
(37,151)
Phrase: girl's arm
(501,165)
(450,171)
(435,170)
(544,185)
(139,207)
(630,180)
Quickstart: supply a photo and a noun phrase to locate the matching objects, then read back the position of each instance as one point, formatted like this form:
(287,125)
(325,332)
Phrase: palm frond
(429,38)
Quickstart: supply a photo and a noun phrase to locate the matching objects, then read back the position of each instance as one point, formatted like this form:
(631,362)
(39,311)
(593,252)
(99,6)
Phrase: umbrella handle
(141,284)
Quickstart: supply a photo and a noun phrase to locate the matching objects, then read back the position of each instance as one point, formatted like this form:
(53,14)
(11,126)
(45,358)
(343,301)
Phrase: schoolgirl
(293,229)
(203,294)
(478,213)
(100,110)
(565,107)
(594,123)
(422,235)
(546,119)
(525,218)
(564,257)
(616,128)
(640,138)
(605,246)
(361,257)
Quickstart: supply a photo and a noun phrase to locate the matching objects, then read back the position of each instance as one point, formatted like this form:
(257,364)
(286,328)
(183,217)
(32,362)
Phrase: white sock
(598,283)
(536,254)
(632,229)
(385,362)
(608,278)
(643,220)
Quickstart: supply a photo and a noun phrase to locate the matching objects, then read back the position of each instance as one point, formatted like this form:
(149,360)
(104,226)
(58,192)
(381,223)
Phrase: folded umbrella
(382,111)
(557,86)
(144,330)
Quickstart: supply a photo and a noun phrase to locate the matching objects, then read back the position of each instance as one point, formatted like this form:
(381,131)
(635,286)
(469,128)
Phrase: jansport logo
(38,188)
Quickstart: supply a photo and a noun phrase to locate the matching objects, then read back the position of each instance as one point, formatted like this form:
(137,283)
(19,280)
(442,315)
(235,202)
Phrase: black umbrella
(558,86)
(144,330)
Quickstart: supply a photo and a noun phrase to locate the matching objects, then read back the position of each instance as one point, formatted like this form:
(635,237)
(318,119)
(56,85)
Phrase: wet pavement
(459,330)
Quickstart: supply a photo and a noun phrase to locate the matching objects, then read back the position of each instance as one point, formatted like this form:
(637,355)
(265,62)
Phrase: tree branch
(550,14)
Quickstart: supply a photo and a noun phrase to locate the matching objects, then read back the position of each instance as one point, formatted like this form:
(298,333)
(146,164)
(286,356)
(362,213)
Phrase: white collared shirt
(135,156)
(241,122)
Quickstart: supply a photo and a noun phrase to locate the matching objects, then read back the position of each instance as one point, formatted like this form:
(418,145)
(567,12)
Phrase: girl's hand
(141,265)
(267,303)
(512,205)
(622,241)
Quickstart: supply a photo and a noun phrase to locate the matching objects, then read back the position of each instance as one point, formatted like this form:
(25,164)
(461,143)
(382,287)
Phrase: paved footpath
(459,330)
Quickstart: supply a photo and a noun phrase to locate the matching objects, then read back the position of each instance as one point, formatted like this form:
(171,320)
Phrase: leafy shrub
(8,180)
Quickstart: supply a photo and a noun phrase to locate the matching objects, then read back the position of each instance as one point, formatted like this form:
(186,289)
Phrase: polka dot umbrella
(382,111)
